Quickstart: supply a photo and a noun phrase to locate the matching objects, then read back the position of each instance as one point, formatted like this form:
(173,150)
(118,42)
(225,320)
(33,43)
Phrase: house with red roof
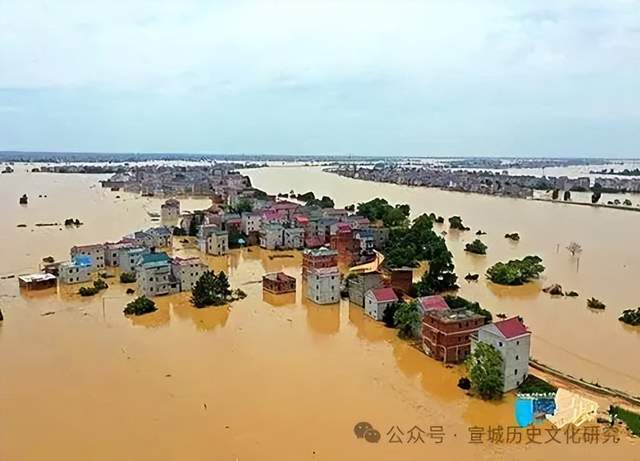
(377,300)
(435,302)
(512,339)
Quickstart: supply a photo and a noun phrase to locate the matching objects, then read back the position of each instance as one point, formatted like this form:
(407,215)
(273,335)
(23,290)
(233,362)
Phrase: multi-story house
(212,240)
(113,252)
(187,271)
(161,236)
(360,283)
(323,285)
(293,238)
(128,260)
(79,270)
(154,275)
(446,333)
(250,222)
(512,339)
(170,211)
(271,236)
(318,258)
(278,283)
(95,252)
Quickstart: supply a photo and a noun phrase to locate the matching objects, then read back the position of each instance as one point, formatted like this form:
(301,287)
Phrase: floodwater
(265,378)
(566,334)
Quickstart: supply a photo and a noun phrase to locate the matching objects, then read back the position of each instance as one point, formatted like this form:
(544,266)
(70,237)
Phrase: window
(499,343)
(517,343)
(517,357)
(515,372)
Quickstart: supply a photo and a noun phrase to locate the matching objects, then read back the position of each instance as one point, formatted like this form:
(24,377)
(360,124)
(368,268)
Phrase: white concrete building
(170,211)
(251,222)
(271,236)
(154,275)
(377,300)
(187,271)
(114,251)
(512,340)
(77,271)
(128,260)
(293,238)
(161,236)
(323,285)
(95,252)
(212,240)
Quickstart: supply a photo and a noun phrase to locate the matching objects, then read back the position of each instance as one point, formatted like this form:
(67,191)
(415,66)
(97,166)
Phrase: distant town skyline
(305,77)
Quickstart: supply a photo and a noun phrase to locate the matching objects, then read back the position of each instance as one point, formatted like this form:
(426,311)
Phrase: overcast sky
(479,77)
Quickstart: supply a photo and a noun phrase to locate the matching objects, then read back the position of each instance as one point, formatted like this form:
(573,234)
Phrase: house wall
(156,280)
(96,252)
(323,288)
(70,273)
(515,356)
(373,308)
(217,244)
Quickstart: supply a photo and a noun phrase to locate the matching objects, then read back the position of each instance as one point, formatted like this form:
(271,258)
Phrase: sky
(476,77)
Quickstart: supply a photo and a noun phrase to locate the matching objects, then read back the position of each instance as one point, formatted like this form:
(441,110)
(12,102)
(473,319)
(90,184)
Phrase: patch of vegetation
(572,294)
(516,271)
(379,209)
(513,236)
(128,277)
(631,419)
(211,290)
(408,319)
(140,306)
(630,316)
(93,290)
(593,303)
(389,315)
(534,385)
(476,247)
(455,222)
(324,202)
(485,371)
(458,302)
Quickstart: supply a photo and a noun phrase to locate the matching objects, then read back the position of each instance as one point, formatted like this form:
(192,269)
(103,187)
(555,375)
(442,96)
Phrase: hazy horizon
(363,78)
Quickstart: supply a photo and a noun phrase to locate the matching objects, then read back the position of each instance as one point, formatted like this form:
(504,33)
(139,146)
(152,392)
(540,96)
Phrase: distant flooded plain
(278,377)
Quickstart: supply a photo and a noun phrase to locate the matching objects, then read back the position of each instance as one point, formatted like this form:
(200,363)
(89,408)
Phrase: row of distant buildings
(483,182)
(155,271)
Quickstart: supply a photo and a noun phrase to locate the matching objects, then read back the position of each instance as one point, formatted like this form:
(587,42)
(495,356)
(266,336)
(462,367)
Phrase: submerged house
(77,271)
(37,281)
(377,300)
(278,283)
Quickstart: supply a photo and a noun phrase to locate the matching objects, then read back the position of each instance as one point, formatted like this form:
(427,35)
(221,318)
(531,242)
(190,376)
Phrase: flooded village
(307,303)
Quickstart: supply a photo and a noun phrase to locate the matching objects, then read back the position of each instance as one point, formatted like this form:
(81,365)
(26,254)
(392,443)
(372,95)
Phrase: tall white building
(187,271)
(323,285)
(512,340)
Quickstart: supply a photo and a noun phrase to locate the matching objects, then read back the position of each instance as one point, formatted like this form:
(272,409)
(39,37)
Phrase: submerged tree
(211,290)
(139,306)
(485,371)
(408,319)
(476,247)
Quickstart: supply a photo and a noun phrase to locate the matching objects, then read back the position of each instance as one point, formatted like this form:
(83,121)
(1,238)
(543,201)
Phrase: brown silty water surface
(266,378)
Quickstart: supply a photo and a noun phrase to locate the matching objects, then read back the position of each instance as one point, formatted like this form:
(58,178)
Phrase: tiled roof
(384,295)
(510,328)
(435,302)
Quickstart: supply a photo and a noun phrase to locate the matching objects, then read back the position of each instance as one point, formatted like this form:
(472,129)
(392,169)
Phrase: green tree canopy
(139,306)
(476,247)
(516,271)
(485,371)
(211,290)
(408,319)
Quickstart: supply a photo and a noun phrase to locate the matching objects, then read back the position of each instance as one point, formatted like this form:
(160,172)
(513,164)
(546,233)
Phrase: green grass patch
(630,418)
(534,385)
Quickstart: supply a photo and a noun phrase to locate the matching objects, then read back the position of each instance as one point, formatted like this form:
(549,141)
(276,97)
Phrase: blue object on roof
(83,260)
(524,412)
(155,258)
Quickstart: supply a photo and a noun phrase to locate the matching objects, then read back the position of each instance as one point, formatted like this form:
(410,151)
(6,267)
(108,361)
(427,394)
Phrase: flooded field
(278,377)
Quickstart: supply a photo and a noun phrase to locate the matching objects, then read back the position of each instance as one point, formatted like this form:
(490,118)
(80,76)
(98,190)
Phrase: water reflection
(323,320)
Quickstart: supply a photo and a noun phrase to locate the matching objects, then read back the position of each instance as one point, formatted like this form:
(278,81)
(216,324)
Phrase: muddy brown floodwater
(267,377)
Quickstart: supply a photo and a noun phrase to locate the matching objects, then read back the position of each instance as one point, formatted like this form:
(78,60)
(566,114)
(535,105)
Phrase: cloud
(402,65)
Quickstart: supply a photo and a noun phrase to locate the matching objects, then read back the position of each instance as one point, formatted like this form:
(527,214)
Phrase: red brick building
(319,258)
(278,283)
(446,333)
(401,278)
